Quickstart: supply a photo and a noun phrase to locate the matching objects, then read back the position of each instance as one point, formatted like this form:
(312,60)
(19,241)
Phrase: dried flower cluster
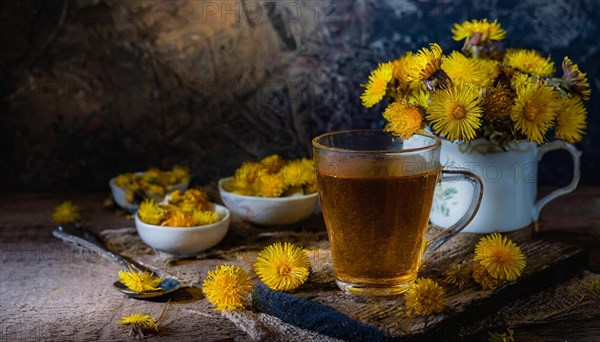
(188,209)
(274,177)
(140,324)
(153,183)
(481,91)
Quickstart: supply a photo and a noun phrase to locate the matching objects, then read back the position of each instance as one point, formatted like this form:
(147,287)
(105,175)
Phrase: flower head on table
(140,324)
(227,287)
(424,297)
(458,275)
(282,266)
(497,261)
(66,212)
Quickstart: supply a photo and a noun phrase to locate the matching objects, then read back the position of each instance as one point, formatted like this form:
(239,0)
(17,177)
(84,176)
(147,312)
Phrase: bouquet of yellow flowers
(480,91)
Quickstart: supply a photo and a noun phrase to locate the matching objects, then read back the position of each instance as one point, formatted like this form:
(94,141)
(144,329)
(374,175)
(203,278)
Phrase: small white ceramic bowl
(268,211)
(118,193)
(184,240)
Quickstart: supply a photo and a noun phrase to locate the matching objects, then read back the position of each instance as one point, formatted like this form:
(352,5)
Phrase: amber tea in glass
(376,193)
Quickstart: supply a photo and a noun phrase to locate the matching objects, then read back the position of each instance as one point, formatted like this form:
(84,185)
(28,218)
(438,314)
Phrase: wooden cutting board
(320,306)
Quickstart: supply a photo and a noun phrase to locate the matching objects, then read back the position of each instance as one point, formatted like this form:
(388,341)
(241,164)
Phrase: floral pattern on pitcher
(444,200)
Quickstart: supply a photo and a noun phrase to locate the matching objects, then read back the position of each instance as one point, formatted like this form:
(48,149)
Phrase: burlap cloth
(243,243)
(240,248)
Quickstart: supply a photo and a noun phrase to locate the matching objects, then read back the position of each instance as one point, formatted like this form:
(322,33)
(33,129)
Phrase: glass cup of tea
(376,193)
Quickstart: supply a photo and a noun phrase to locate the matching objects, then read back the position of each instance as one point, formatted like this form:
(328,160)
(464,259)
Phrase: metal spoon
(77,235)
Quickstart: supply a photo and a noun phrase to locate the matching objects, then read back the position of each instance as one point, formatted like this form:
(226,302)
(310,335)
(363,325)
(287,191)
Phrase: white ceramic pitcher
(510,184)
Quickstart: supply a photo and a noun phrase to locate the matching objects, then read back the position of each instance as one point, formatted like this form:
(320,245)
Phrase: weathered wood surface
(320,305)
(49,291)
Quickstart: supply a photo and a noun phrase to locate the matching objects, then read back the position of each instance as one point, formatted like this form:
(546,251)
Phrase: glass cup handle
(456,175)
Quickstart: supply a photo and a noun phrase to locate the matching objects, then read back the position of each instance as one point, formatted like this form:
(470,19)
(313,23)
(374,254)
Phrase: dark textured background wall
(92,88)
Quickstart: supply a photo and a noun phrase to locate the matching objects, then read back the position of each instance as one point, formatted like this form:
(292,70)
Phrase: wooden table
(50,291)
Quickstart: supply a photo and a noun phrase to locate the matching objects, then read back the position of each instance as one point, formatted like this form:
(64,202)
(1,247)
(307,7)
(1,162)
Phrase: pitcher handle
(455,175)
(576,155)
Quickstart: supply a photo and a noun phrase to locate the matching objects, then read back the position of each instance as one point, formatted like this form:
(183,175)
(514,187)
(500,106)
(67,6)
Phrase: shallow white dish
(186,240)
(118,193)
(268,211)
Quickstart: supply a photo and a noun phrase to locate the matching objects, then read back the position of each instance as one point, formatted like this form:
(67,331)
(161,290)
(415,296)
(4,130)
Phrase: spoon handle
(79,236)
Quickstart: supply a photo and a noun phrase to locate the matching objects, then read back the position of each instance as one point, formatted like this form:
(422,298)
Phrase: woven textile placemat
(469,312)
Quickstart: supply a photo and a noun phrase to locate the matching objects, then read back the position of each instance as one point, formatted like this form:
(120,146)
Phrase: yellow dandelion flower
(282,266)
(151,212)
(534,110)
(501,257)
(152,175)
(423,65)
(204,217)
(196,196)
(273,163)
(400,65)
(66,212)
(190,200)
(227,287)
(241,187)
(521,80)
(403,119)
(529,61)
(576,80)
(311,187)
(179,218)
(462,69)
(419,97)
(376,87)
(570,122)
(248,172)
(130,196)
(139,281)
(484,278)
(491,68)
(180,174)
(299,172)
(479,30)
(155,190)
(125,180)
(176,197)
(497,103)
(424,297)
(140,323)
(458,275)
(270,185)
(455,112)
